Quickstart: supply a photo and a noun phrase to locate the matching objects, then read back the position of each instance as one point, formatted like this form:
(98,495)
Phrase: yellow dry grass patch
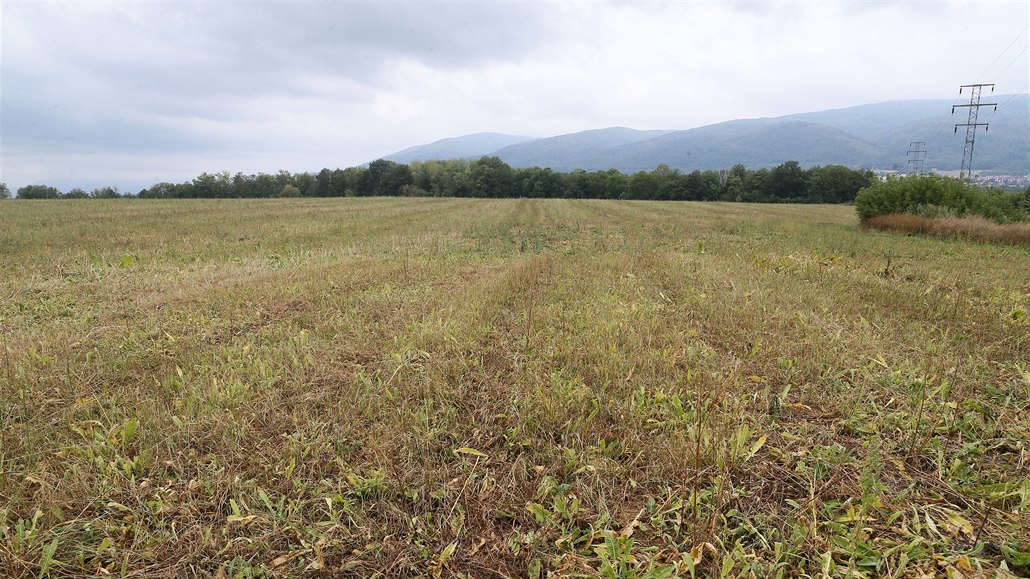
(970,228)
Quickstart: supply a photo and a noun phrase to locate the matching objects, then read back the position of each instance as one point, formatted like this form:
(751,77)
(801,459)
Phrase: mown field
(505,388)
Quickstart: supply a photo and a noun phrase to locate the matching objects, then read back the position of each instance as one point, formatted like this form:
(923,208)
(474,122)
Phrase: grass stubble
(506,388)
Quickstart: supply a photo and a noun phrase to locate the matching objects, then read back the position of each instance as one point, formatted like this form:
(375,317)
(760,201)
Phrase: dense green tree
(756,186)
(158,191)
(5,193)
(76,193)
(835,184)
(242,185)
(492,177)
(609,184)
(284,178)
(307,184)
(384,178)
(338,183)
(105,193)
(325,177)
(395,180)
(537,182)
(697,187)
(734,188)
(370,179)
(265,185)
(443,178)
(788,181)
(575,184)
(642,185)
(713,183)
(352,180)
(615,184)
(425,175)
(213,185)
(38,192)
(671,185)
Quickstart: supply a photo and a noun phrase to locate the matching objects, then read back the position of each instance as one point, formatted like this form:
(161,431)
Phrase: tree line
(48,192)
(492,177)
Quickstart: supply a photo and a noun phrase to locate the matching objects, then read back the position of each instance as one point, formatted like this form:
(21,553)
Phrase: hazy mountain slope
(871,121)
(1003,148)
(566,152)
(873,135)
(464,147)
(756,144)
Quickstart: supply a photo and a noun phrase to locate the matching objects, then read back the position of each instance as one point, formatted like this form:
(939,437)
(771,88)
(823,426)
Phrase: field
(506,388)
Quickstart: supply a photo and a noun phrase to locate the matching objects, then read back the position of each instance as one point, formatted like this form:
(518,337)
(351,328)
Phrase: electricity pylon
(916,149)
(974,107)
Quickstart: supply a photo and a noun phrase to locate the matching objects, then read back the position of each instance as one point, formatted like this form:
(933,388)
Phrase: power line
(997,76)
(1010,62)
(974,107)
(1018,36)
(1021,93)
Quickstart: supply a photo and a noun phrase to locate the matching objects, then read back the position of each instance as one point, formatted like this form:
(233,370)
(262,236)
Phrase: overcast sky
(130,94)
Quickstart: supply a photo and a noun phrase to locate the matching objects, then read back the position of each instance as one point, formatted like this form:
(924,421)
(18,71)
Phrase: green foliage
(493,178)
(936,196)
(836,184)
(788,180)
(643,185)
(384,178)
(537,182)
(5,193)
(289,190)
(105,193)
(38,192)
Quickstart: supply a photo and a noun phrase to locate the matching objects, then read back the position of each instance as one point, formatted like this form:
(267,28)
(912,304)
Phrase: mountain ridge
(464,146)
(874,135)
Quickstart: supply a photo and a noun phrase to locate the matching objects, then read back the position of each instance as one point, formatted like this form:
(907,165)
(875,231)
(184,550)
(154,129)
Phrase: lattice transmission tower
(974,108)
(918,151)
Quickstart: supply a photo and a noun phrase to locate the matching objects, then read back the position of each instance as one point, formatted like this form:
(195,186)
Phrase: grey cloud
(120,76)
(210,48)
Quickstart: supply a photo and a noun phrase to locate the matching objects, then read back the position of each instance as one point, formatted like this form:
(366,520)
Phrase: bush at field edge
(933,196)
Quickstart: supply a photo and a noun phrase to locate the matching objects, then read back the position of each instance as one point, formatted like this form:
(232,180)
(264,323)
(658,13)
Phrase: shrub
(936,196)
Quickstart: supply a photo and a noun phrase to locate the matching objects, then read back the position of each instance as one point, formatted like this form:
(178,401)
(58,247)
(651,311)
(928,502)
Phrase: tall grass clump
(969,228)
(934,197)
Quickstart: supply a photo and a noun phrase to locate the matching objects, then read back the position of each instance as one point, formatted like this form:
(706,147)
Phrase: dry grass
(969,228)
(509,388)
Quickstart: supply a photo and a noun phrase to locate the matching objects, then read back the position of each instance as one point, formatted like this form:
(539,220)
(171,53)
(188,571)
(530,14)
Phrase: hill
(869,136)
(756,144)
(464,147)
(567,152)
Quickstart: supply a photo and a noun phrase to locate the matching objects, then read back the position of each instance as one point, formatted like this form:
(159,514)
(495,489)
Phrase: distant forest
(492,177)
